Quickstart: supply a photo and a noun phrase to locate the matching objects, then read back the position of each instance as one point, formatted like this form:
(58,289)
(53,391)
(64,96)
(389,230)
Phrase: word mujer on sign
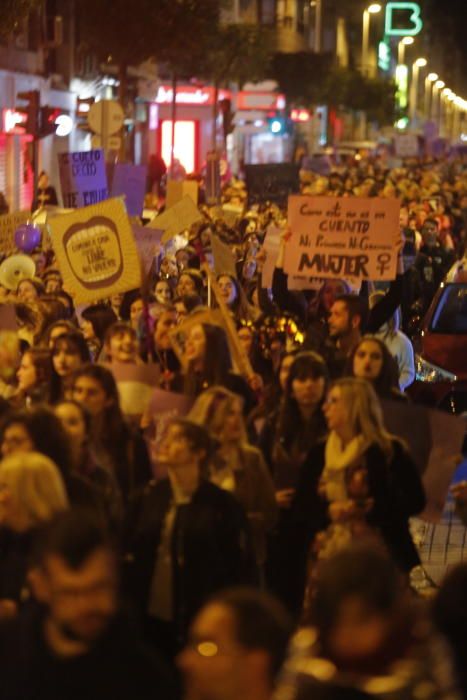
(343,237)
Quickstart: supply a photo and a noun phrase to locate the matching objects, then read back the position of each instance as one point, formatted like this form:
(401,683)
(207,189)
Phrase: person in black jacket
(73,641)
(360,482)
(187,539)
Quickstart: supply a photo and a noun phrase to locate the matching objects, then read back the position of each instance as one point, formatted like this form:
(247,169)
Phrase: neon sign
(414,19)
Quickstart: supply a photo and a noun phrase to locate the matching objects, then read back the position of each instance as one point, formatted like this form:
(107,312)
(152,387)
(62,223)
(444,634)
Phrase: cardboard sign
(135,385)
(148,242)
(342,238)
(177,219)
(435,441)
(224,259)
(177,189)
(96,251)
(272,182)
(8,225)
(406,145)
(83,178)
(130,181)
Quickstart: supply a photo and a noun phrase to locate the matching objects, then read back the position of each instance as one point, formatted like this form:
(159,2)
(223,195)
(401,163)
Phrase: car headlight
(427,372)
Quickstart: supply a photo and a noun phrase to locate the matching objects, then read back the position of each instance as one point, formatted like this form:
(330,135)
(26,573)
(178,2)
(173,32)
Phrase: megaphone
(16,268)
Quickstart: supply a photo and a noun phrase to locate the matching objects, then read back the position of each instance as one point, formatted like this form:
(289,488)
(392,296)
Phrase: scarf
(337,460)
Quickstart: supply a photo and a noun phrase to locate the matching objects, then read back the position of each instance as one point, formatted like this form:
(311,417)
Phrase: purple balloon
(27,237)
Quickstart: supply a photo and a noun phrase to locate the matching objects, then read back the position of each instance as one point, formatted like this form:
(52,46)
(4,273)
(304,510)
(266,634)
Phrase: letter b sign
(408,19)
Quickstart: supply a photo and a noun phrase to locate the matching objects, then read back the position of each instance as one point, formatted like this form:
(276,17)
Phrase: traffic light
(277,125)
(83,105)
(225,108)
(31,110)
(48,117)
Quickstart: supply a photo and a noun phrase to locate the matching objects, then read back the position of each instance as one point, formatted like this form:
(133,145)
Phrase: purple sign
(130,181)
(82,178)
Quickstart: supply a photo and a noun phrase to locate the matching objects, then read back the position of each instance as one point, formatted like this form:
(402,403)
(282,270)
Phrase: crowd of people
(255,545)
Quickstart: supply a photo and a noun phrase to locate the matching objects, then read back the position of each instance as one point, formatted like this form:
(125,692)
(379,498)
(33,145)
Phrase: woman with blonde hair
(237,466)
(32,491)
(360,481)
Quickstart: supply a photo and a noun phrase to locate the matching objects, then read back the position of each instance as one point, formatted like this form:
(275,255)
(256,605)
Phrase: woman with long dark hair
(118,448)
(370,359)
(95,320)
(285,441)
(209,363)
(69,351)
(34,377)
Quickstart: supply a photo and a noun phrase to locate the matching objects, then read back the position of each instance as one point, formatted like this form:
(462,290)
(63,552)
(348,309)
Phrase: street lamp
(436,88)
(373,9)
(429,80)
(416,65)
(406,41)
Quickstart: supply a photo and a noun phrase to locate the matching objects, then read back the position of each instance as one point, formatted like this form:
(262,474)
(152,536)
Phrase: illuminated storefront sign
(189,95)
(403,19)
(185,143)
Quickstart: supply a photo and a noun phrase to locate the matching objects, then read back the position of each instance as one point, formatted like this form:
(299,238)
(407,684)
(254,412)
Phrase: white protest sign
(406,145)
(342,238)
(177,219)
(83,178)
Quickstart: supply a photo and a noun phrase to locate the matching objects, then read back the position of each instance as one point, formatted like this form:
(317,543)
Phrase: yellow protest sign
(177,189)
(96,251)
(8,225)
(177,219)
(348,237)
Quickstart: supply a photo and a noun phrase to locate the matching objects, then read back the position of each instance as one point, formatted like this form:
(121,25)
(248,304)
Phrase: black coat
(211,547)
(118,666)
(394,485)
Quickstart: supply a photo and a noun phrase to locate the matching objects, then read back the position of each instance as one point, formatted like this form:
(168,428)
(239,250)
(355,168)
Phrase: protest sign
(342,238)
(83,178)
(177,189)
(272,182)
(163,407)
(148,241)
(135,384)
(406,145)
(435,441)
(8,225)
(176,219)
(96,251)
(231,213)
(130,180)
(224,260)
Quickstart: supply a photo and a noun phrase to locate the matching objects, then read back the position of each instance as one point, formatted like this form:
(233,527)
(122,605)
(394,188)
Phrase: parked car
(441,350)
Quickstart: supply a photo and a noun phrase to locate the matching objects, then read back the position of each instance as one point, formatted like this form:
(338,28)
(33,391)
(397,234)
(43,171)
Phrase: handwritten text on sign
(341,238)
(83,178)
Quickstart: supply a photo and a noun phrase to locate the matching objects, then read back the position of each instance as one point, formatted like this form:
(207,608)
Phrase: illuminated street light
(429,80)
(416,65)
(406,41)
(373,9)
